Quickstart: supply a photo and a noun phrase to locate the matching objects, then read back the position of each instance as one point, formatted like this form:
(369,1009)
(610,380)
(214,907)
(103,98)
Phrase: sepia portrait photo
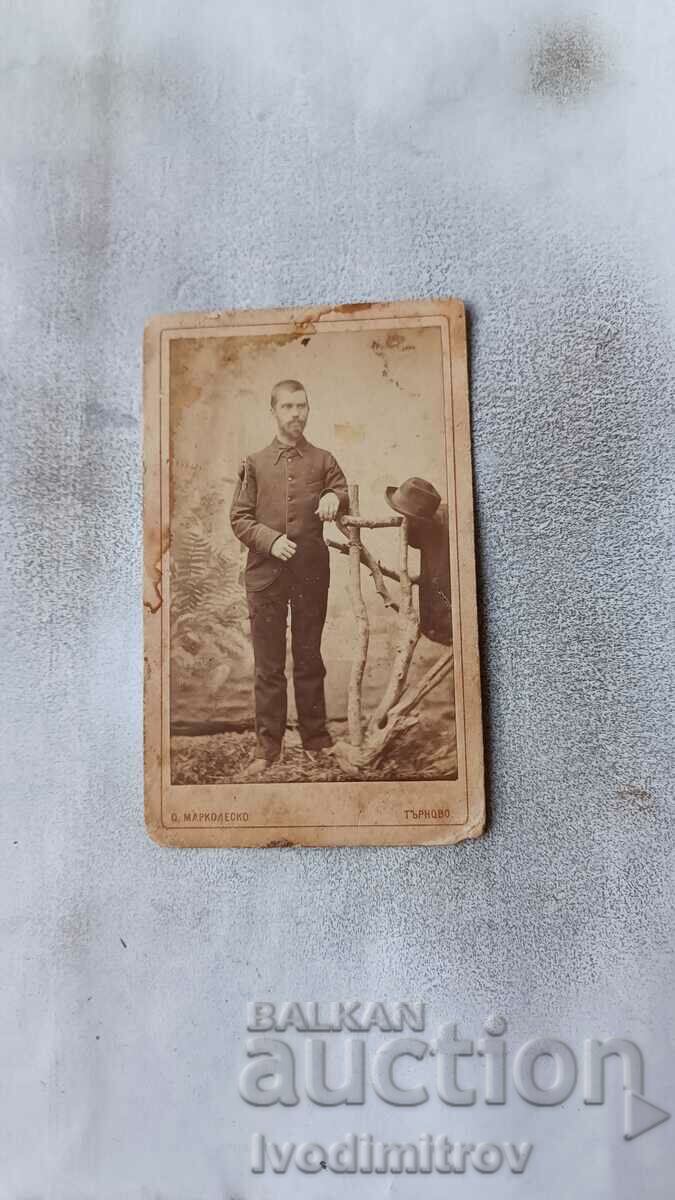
(311,658)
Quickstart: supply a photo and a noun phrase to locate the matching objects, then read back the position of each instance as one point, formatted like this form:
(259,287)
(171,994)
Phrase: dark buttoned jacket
(279,494)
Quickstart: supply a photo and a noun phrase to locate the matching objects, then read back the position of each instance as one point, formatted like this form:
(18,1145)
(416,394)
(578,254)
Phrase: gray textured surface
(207,155)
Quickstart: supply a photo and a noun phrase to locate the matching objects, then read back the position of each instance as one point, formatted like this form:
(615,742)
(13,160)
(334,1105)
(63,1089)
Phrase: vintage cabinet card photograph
(311,647)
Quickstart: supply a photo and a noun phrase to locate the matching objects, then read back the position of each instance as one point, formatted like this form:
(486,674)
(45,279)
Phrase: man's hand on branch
(329,506)
(283,548)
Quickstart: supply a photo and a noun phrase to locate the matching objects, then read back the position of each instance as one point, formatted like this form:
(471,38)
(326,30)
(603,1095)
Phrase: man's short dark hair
(286,385)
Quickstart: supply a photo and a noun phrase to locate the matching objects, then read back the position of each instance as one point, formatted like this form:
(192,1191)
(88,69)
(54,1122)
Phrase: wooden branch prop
(408,637)
(354,704)
(366,559)
(371,523)
(411,698)
(343,548)
(373,566)
(355,759)
(393,714)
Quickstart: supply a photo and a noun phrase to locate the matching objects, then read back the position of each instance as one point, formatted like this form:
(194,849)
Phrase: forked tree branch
(371,522)
(408,637)
(373,564)
(393,714)
(368,561)
(354,703)
(355,759)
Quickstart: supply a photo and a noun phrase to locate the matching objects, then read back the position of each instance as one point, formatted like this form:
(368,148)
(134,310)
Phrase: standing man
(288,490)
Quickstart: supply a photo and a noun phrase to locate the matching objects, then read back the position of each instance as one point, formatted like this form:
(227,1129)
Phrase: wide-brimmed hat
(415,498)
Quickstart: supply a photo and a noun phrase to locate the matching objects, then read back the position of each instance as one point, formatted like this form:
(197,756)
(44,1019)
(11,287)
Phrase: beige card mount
(311,649)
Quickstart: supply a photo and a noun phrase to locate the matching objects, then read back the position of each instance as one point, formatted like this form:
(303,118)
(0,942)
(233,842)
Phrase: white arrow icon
(639,1115)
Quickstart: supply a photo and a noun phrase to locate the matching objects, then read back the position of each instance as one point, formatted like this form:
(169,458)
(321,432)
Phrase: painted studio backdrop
(376,403)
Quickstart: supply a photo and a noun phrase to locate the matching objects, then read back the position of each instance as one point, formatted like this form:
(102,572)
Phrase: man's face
(291,412)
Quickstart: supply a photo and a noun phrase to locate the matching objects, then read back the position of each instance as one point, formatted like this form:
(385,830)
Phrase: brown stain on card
(156,548)
(351,309)
(383,347)
(226,352)
(349,433)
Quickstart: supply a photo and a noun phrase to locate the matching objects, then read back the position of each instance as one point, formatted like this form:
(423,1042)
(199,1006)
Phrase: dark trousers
(306,593)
